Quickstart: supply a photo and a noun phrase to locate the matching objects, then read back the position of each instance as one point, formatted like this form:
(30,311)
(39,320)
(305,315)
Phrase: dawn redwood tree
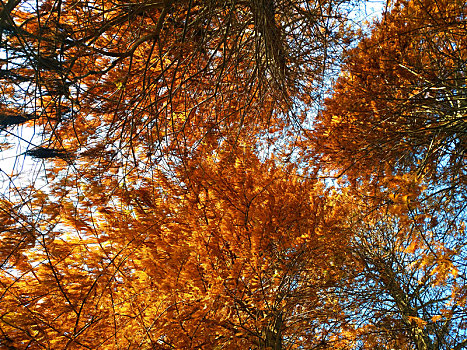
(404,285)
(164,220)
(399,104)
(152,79)
(127,100)
(393,134)
(239,256)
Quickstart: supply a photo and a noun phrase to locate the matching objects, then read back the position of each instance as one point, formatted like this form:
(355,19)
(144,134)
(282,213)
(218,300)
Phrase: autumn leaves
(205,208)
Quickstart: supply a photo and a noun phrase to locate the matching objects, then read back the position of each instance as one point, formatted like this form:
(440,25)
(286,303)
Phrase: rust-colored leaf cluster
(188,187)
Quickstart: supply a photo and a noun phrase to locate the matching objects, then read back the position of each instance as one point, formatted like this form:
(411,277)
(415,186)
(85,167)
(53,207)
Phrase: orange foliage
(233,257)
(398,104)
(168,218)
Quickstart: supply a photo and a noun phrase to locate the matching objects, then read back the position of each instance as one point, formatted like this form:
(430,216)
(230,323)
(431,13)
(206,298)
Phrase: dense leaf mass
(400,102)
(179,181)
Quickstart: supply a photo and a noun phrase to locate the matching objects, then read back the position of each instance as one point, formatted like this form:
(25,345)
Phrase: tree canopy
(190,186)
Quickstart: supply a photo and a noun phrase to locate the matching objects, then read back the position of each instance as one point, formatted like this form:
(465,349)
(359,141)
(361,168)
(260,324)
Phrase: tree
(405,281)
(164,220)
(165,74)
(126,96)
(144,110)
(399,104)
(393,135)
(237,257)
